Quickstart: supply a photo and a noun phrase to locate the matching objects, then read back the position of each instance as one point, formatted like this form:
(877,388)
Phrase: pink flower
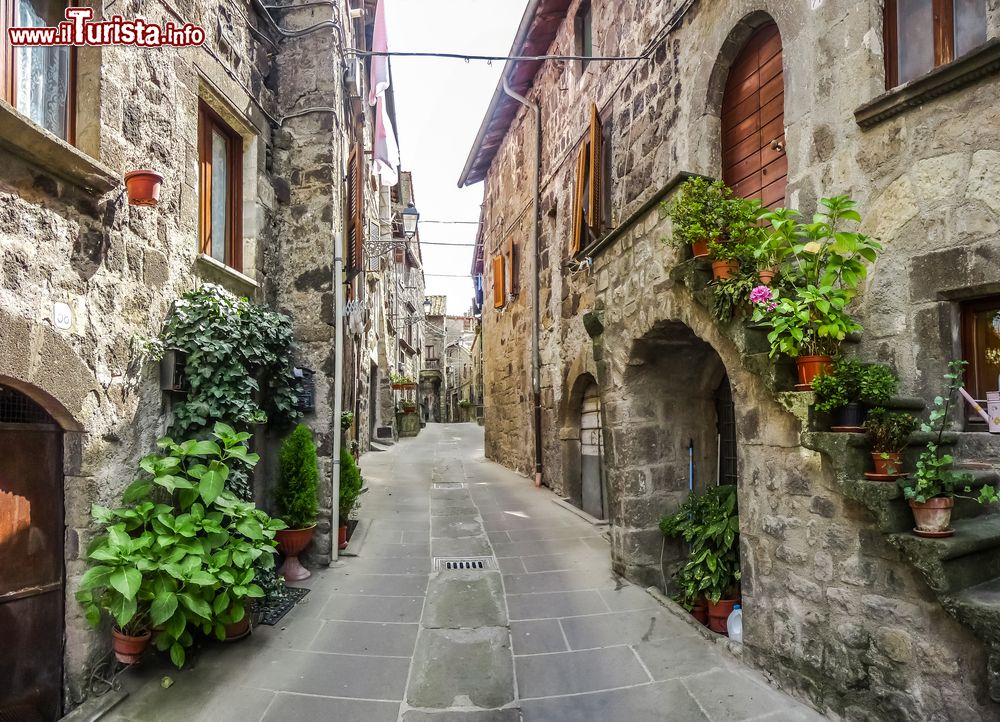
(761,294)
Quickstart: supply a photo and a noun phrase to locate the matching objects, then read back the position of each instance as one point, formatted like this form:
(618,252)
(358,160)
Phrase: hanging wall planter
(767,276)
(143,187)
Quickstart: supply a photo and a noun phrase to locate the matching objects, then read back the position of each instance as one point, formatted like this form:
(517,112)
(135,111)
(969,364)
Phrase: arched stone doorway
(31,557)
(754,163)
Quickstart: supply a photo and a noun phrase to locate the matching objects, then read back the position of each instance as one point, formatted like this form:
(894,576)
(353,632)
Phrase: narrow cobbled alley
(550,636)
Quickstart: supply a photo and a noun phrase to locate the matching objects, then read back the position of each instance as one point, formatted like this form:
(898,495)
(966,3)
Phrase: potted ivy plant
(709,523)
(825,265)
(698,214)
(930,492)
(351,483)
(888,432)
(849,388)
(295,497)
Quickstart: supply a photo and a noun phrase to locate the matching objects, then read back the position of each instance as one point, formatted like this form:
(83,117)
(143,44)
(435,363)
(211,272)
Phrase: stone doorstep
(593,520)
(357,539)
(96,707)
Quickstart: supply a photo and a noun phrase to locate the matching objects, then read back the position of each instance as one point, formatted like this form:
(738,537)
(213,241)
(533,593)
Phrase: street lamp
(427,306)
(410,218)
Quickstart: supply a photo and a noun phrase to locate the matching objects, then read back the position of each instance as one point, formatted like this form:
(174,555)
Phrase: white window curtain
(42,90)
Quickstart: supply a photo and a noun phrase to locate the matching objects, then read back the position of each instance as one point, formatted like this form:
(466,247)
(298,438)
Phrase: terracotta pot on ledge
(809,367)
(724,270)
(143,187)
(699,249)
(933,517)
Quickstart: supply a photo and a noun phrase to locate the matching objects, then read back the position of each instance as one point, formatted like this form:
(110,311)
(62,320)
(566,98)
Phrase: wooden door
(591,461)
(31,562)
(754,163)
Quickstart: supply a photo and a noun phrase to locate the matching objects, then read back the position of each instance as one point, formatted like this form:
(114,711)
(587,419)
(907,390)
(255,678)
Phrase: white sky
(440,104)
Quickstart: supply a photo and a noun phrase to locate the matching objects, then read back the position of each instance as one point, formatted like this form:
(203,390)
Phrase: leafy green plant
(730,296)
(699,212)
(351,483)
(709,522)
(298,479)
(888,431)
(398,379)
(237,353)
(823,265)
(853,381)
(934,476)
(346,419)
(180,555)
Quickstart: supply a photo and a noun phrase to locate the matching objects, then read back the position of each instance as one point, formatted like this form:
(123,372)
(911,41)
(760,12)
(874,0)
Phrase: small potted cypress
(296,500)
(350,489)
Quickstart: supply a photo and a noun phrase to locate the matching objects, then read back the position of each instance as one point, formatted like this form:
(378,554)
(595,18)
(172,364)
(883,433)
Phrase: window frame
(967,312)
(591,190)
(943,37)
(8,69)
(209,120)
(583,30)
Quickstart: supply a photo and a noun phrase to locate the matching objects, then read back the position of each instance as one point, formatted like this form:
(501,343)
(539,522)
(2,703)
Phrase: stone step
(979,608)
(970,557)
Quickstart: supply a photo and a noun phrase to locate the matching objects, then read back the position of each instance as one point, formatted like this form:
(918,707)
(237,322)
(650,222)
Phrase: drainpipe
(338,387)
(535,310)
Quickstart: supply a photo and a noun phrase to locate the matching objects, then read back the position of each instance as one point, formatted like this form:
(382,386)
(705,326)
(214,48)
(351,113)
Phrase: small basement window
(981,349)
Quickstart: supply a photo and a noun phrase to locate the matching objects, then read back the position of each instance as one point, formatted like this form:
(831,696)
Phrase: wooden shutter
(596,170)
(498,282)
(355,211)
(578,220)
(513,270)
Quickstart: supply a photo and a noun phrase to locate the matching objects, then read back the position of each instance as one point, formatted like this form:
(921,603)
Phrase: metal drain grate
(449,485)
(442,564)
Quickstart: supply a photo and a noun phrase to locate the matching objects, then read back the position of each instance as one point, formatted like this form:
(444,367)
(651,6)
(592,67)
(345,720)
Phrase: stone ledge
(213,270)
(21,136)
(956,74)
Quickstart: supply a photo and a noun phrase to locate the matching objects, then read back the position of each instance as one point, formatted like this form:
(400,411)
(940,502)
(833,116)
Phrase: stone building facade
(841,604)
(85,277)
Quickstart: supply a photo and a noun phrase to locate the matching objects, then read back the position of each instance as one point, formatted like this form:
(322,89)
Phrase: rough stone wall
(119,267)
(832,610)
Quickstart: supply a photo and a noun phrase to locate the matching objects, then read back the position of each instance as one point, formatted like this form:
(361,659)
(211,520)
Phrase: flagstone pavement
(551,635)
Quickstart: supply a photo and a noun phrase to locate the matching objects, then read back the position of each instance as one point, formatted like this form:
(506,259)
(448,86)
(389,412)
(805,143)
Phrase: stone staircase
(963,570)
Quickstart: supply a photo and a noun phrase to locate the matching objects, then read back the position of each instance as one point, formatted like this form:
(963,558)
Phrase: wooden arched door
(754,164)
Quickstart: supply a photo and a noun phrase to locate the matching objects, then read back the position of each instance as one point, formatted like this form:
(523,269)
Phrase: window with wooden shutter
(923,34)
(498,282)
(355,211)
(513,269)
(589,193)
(220,189)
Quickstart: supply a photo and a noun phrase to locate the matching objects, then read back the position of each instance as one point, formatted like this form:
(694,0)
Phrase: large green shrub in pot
(180,555)
(298,479)
(709,523)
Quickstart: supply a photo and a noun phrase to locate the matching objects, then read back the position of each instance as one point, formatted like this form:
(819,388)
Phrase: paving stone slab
(468,547)
(397,550)
(732,695)
(546,675)
(389,585)
(331,675)
(680,655)
(664,702)
(565,581)
(359,608)
(370,638)
(450,527)
(511,565)
(391,565)
(537,636)
(474,664)
(302,708)
(554,604)
(578,559)
(628,597)
(605,630)
(465,599)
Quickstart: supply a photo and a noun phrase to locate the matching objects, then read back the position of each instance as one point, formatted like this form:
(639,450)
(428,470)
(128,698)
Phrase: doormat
(274,611)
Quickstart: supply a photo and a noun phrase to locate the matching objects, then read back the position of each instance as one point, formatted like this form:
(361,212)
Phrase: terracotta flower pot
(240,629)
(933,517)
(342,536)
(143,187)
(718,613)
(766,277)
(724,270)
(291,543)
(889,464)
(700,612)
(809,367)
(699,249)
(128,649)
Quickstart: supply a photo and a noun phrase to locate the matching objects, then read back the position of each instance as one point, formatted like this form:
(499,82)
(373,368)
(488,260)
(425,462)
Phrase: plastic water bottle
(734,624)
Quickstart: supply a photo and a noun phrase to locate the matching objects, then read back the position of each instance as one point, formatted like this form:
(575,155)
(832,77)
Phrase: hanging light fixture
(410,218)
(427,306)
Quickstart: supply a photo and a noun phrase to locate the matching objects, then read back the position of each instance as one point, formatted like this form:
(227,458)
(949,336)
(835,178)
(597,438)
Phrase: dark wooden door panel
(31,571)
(753,156)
